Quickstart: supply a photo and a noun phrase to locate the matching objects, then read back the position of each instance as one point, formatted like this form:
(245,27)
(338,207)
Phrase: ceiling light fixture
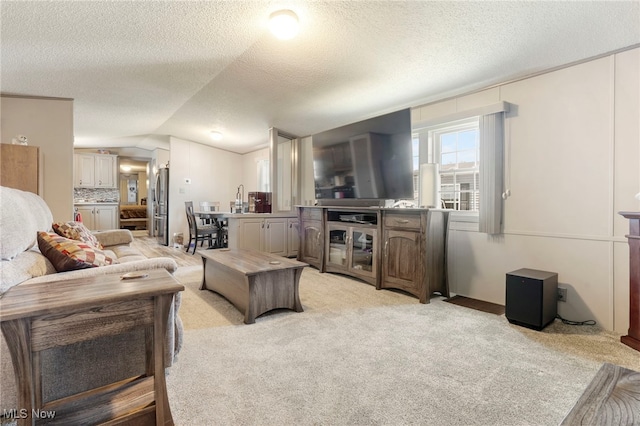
(216,136)
(284,24)
(126,168)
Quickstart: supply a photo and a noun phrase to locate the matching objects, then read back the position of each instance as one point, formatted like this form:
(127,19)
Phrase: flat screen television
(365,162)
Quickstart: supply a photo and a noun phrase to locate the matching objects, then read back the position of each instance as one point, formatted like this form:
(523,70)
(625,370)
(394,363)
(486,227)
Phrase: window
(469,148)
(263,175)
(456,148)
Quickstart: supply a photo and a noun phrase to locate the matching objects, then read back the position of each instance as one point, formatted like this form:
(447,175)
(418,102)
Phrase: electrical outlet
(562,294)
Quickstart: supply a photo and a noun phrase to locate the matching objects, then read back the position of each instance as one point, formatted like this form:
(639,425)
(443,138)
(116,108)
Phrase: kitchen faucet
(240,199)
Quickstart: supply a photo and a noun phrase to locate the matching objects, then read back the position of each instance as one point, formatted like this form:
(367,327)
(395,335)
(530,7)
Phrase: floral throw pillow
(68,255)
(76,231)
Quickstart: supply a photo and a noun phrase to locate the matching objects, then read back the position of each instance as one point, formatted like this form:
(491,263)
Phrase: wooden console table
(41,316)
(633,337)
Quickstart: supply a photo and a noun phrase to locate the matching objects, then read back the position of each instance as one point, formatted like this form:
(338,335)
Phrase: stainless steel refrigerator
(161,207)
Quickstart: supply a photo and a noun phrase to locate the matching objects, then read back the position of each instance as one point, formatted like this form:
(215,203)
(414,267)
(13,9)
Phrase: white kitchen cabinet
(293,237)
(87,212)
(106,171)
(98,217)
(84,170)
(275,236)
(95,171)
(246,233)
(268,234)
(106,218)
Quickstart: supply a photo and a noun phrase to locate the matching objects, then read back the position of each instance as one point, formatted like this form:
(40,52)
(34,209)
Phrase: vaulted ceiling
(144,68)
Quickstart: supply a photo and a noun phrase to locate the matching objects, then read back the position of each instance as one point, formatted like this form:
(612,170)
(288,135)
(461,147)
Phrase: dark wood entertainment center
(632,338)
(390,248)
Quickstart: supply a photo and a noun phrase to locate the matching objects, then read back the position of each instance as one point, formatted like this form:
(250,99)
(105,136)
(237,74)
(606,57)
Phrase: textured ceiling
(143,68)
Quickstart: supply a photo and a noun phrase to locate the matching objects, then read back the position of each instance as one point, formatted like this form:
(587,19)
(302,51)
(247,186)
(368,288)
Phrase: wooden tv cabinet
(390,248)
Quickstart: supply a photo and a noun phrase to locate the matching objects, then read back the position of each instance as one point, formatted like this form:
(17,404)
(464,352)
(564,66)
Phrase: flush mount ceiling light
(216,136)
(284,24)
(126,168)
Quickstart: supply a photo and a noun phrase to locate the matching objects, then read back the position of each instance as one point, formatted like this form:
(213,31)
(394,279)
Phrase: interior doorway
(133,178)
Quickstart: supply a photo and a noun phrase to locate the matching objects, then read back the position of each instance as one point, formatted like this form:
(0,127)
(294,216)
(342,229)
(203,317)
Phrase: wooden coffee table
(253,281)
(36,317)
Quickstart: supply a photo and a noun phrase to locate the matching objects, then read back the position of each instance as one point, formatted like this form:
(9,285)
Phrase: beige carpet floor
(360,356)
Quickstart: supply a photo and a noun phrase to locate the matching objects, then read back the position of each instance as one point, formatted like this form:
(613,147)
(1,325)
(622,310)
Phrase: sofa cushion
(114,237)
(76,231)
(28,264)
(22,215)
(126,253)
(67,254)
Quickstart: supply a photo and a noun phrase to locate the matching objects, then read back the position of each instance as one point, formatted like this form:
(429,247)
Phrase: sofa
(75,368)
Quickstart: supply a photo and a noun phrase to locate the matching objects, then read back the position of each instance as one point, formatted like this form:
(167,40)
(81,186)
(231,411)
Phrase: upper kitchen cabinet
(84,170)
(95,171)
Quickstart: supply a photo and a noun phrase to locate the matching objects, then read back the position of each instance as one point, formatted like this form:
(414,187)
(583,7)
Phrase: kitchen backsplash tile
(95,194)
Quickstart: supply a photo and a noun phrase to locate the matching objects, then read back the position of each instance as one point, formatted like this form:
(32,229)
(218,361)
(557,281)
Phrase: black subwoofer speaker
(531,298)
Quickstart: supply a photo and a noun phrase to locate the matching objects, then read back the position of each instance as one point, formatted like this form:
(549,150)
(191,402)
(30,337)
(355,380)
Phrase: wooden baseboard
(631,342)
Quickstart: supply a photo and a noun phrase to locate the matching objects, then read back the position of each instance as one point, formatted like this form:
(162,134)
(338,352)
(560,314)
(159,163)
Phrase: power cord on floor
(569,322)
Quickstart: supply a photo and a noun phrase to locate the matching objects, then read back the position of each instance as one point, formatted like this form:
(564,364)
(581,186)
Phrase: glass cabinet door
(362,243)
(338,249)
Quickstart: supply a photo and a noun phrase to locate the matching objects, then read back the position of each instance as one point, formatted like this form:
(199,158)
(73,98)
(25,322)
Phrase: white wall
(214,174)
(48,124)
(572,161)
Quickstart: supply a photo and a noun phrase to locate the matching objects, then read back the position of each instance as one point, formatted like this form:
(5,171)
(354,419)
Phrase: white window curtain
(491,172)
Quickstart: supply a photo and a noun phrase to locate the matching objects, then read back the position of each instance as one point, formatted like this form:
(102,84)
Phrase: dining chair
(223,233)
(209,206)
(198,232)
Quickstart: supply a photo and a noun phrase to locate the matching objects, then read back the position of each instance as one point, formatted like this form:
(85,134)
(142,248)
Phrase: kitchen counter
(275,233)
(229,215)
(102,203)
(259,215)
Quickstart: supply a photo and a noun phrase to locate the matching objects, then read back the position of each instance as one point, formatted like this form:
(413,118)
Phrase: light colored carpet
(358,356)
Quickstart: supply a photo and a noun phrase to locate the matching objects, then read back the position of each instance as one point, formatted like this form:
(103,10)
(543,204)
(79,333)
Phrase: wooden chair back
(209,206)
(195,234)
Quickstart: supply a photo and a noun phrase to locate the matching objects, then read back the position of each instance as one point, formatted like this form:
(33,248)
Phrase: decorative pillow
(68,254)
(76,231)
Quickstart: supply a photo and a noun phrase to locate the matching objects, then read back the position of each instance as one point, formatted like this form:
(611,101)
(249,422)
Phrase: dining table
(217,219)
